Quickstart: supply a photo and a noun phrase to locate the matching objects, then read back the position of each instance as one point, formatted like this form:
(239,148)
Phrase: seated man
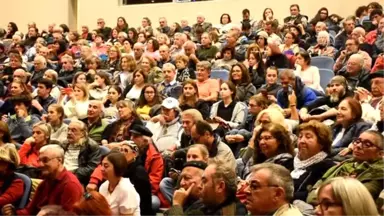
(95,124)
(202,133)
(165,127)
(366,165)
(165,56)
(218,194)
(169,87)
(208,88)
(81,154)
(40,66)
(189,118)
(177,47)
(20,124)
(270,191)
(352,47)
(200,25)
(43,99)
(355,73)
(326,107)
(66,191)
(293,85)
(190,181)
(207,51)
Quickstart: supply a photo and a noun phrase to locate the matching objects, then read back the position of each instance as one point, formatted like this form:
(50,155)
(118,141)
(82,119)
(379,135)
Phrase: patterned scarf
(299,166)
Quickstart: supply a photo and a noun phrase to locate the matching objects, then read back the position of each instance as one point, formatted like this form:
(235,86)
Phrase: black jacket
(89,158)
(201,105)
(110,130)
(361,80)
(352,132)
(312,174)
(140,180)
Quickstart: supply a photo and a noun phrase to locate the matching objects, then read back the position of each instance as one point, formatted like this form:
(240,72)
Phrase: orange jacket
(29,155)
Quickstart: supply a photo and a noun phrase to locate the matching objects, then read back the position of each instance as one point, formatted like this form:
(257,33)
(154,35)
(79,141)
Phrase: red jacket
(29,155)
(370,38)
(13,193)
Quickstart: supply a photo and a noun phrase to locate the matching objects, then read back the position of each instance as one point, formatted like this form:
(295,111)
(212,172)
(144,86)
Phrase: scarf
(299,166)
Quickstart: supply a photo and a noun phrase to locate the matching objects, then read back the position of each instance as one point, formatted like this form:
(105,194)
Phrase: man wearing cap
(166,128)
(370,101)
(186,198)
(326,107)
(169,87)
(152,160)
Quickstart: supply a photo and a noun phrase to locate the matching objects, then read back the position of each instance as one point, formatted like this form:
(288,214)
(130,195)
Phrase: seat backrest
(323,62)
(104,150)
(220,74)
(325,77)
(27,189)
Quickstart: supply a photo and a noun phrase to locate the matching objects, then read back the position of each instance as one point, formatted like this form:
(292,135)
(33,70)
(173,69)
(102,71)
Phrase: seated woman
(98,90)
(366,165)
(229,113)
(20,124)
(189,99)
(113,96)
(240,77)
(226,60)
(149,102)
(348,125)
(29,151)
(272,144)
(132,92)
(261,41)
(16,89)
(256,68)
(323,47)
(75,101)
(113,168)
(290,46)
(55,120)
(275,57)
(339,190)
(12,187)
(152,49)
(5,135)
(271,87)
(79,78)
(92,203)
(124,77)
(267,16)
(312,159)
(113,62)
(93,64)
(154,73)
(310,75)
(118,131)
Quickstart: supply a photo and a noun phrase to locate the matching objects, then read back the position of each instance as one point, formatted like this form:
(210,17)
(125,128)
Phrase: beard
(336,96)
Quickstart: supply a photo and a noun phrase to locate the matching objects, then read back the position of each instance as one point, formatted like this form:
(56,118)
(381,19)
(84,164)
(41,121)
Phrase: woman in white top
(310,75)
(124,77)
(55,119)
(133,91)
(76,101)
(225,23)
(110,109)
(99,88)
(119,192)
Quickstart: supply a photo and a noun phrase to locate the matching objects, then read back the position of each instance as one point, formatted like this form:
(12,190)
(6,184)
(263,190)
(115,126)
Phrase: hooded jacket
(304,95)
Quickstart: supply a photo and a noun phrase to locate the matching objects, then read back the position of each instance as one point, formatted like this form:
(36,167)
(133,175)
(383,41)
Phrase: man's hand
(362,94)
(91,187)
(37,105)
(292,98)
(181,195)
(8,209)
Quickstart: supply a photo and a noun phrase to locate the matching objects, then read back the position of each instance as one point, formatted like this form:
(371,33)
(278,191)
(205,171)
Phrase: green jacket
(370,174)
(96,130)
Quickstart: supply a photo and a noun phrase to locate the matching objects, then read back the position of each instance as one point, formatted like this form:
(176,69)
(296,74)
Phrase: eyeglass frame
(358,141)
(329,204)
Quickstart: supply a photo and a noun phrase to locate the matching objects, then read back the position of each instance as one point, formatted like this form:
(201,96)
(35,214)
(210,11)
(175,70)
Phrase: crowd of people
(132,121)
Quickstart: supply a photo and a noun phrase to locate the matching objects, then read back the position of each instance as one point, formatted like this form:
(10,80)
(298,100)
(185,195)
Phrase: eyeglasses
(253,186)
(364,143)
(45,160)
(324,205)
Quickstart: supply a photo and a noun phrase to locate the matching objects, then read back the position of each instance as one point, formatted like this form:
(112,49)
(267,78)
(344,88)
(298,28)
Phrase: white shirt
(124,199)
(71,156)
(310,77)
(338,137)
(134,93)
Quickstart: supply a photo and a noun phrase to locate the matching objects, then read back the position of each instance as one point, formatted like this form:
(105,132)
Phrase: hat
(7,156)
(141,130)
(262,34)
(132,145)
(198,164)
(170,103)
(379,73)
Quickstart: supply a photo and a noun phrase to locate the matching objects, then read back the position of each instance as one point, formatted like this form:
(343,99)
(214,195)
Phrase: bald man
(355,73)
(95,124)
(206,26)
(138,51)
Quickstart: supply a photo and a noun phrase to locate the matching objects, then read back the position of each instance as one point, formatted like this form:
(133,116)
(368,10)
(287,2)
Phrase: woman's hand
(145,117)
(29,141)
(91,187)
(218,119)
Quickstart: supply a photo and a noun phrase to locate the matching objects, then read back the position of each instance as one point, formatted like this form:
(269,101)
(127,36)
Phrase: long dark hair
(14,28)
(134,31)
(118,89)
(125,26)
(5,130)
(184,101)
(142,101)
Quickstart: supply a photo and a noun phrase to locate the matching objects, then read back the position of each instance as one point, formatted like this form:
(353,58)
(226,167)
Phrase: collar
(61,175)
(173,82)
(97,123)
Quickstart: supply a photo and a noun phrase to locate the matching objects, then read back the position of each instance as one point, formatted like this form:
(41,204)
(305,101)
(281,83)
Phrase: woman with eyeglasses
(344,196)
(113,62)
(313,158)
(29,151)
(149,102)
(119,191)
(92,203)
(366,165)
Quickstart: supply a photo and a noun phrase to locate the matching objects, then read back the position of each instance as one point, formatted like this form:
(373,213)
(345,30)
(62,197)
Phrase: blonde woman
(75,101)
(344,196)
(154,73)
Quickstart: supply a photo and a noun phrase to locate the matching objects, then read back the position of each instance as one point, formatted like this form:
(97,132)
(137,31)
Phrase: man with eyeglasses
(351,48)
(40,66)
(366,165)
(163,28)
(270,191)
(355,73)
(59,186)
(67,71)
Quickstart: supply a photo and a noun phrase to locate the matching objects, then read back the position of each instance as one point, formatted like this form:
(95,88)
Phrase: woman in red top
(29,151)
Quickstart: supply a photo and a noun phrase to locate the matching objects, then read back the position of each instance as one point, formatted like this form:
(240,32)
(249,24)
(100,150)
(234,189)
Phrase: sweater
(238,116)
(76,109)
